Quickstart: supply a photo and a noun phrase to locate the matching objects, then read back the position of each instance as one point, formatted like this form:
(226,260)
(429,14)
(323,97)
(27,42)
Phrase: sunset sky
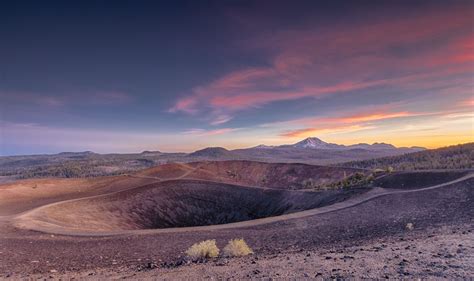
(128,76)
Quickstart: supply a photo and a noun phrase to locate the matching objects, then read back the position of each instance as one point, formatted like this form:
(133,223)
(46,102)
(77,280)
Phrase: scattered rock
(222,262)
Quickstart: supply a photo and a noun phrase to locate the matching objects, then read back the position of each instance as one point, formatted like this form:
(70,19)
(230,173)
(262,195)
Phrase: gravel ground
(367,240)
(441,253)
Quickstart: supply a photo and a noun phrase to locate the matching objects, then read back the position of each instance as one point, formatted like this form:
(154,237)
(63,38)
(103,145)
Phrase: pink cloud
(467,103)
(366,115)
(309,132)
(257,98)
(363,120)
(372,117)
(350,123)
(186,104)
(311,63)
(240,79)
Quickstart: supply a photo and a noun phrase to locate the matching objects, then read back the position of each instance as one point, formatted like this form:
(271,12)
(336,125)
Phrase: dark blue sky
(178,75)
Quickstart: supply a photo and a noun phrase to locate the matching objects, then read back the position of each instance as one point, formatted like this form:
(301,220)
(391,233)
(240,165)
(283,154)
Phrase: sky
(128,76)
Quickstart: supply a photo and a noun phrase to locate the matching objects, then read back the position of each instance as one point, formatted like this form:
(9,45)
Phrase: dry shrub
(237,248)
(204,249)
(409,226)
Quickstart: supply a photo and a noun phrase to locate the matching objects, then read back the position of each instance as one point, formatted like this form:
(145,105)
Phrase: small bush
(409,226)
(237,248)
(355,180)
(204,249)
(389,169)
(309,183)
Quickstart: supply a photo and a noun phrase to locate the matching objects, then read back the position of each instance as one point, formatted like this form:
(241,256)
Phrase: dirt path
(28,221)
(187,173)
(373,233)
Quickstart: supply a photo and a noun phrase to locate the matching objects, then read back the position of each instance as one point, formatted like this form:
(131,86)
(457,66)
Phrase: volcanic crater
(177,196)
(182,203)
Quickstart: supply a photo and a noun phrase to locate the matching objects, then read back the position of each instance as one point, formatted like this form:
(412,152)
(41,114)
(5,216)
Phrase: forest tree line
(451,157)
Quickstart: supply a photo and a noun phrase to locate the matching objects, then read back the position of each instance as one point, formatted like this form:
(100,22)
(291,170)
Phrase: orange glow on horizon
(372,117)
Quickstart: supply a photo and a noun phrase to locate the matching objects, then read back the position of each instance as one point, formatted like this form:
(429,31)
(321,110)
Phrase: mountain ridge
(316,143)
(77,165)
(309,148)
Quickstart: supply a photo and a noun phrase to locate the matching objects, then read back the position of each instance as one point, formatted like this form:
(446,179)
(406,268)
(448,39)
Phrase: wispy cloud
(330,125)
(221,120)
(203,132)
(67,98)
(309,63)
(366,118)
(310,132)
(467,102)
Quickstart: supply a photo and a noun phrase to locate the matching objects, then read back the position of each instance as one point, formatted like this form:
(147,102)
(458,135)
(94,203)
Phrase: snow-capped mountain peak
(315,143)
(318,144)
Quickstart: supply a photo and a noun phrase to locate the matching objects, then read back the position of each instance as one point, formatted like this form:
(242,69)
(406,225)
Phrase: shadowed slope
(181,203)
(24,195)
(413,180)
(251,173)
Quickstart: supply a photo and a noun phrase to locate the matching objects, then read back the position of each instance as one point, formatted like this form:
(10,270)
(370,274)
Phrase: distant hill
(212,152)
(89,164)
(316,143)
(316,151)
(452,157)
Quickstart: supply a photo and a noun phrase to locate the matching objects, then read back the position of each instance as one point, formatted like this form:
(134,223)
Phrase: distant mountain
(89,164)
(81,153)
(316,151)
(316,143)
(212,152)
(374,146)
(151,153)
(452,157)
(262,146)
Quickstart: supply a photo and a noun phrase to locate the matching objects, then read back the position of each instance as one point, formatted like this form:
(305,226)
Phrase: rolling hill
(452,157)
(89,164)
